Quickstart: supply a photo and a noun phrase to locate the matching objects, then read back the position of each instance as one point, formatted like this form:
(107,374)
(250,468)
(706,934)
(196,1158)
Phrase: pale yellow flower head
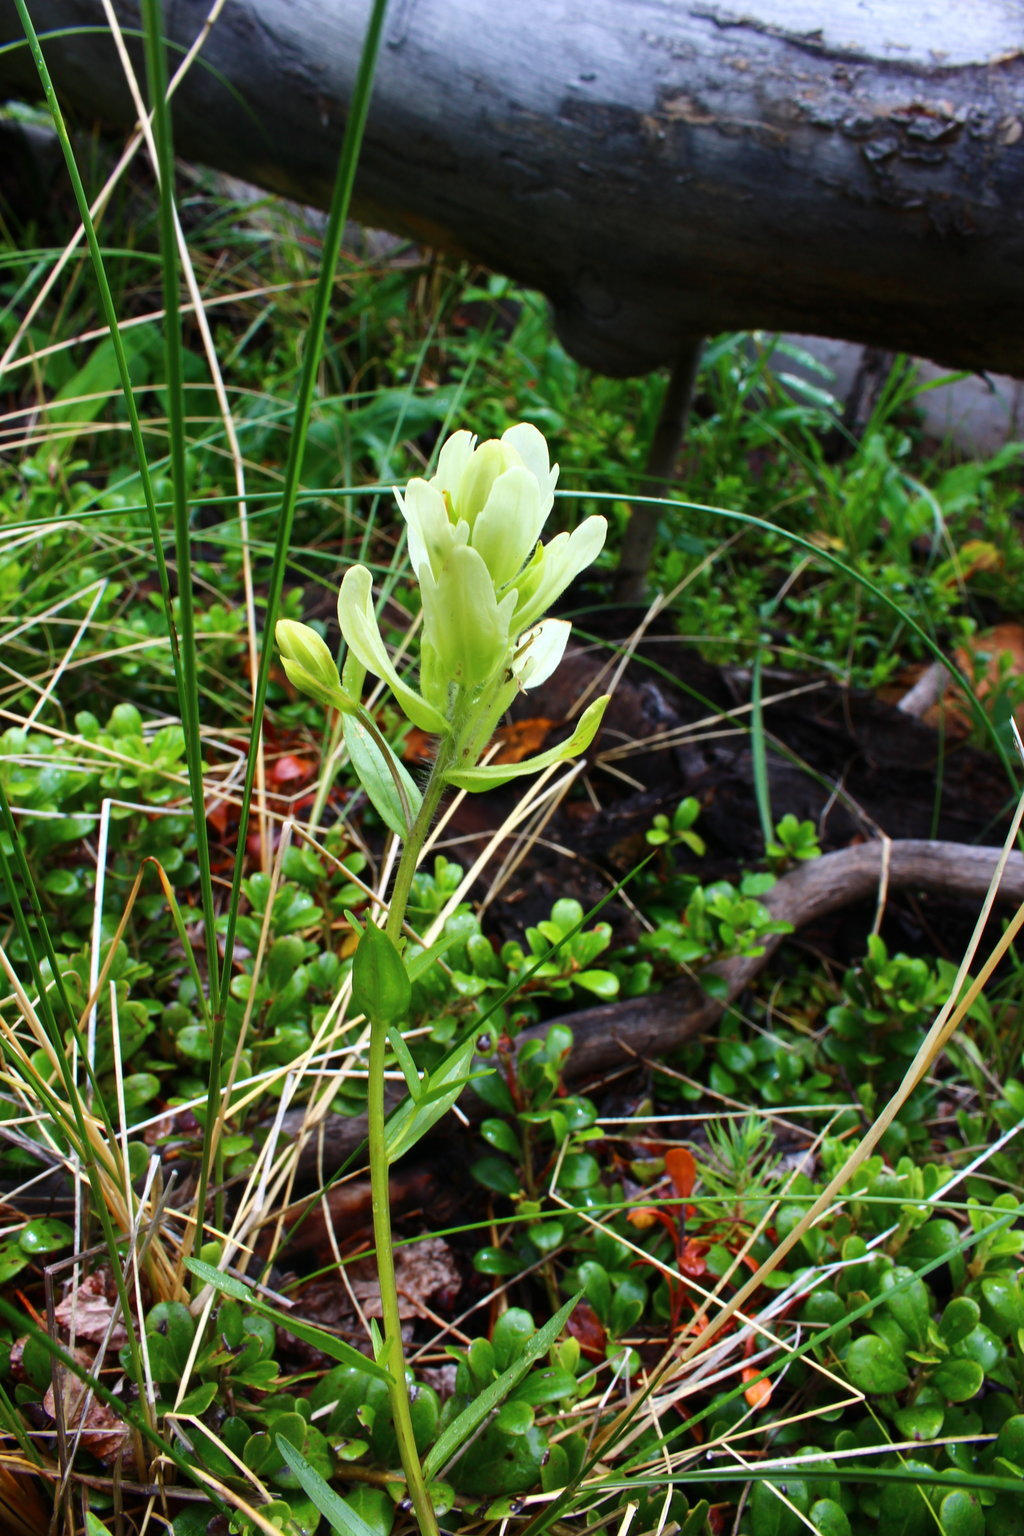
(485,582)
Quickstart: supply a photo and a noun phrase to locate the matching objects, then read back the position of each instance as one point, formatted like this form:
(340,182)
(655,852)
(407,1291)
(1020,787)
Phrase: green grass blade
(107,304)
(460,1429)
(340,1516)
(759,752)
(187,673)
(340,200)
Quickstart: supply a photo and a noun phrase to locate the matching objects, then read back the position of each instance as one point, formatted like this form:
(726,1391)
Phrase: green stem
(394,1355)
(414,846)
(393,1358)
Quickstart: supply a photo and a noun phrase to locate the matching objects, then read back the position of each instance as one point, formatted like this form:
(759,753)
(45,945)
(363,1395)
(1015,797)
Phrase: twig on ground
(928,691)
(612,1034)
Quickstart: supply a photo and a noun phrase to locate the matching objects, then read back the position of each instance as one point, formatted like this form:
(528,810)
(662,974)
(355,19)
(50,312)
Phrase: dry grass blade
(99,1151)
(13,346)
(22,1511)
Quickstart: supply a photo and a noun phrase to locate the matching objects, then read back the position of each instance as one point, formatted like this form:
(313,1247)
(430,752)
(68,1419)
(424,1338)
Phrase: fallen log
(660,169)
(634,1030)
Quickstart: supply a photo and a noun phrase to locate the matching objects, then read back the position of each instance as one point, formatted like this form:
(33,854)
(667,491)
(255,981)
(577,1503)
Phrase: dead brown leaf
(86,1311)
(22,1512)
(990,659)
(1001,651)
(418,746)
(422,1270)
(102,1432)
(521,739)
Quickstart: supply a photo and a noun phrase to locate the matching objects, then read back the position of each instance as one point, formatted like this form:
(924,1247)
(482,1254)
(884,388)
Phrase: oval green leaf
(873,1365)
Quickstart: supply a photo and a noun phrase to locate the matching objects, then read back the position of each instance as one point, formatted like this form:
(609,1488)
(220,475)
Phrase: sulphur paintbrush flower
(486,582)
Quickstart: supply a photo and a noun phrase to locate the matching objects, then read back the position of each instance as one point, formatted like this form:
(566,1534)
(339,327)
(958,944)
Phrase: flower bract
(486,582)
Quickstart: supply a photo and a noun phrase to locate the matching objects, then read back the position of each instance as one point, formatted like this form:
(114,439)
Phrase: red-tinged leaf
(645,1216)
(682,1170)
(222,817)
(759,1393)
(699,1323)
(253,846)
(585,1327)
(693,1258)
(301,804)
(289,770)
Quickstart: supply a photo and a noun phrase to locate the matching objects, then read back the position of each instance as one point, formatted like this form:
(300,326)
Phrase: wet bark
(662,169)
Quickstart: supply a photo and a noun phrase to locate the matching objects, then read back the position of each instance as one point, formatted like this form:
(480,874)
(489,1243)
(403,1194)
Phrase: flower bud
(308,663)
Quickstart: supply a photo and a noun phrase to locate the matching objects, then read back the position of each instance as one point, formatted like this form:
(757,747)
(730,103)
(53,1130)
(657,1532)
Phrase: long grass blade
(108,307)
(331,250)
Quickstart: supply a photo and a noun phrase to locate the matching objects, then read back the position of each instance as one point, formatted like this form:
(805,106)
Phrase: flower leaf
(388,785)
(554,566)
(381,988)
(499,773)
(362,633)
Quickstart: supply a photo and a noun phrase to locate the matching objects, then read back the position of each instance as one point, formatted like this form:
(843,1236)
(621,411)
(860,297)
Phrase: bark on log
(661,169)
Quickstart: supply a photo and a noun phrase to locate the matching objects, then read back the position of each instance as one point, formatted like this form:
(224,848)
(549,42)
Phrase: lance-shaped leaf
(493,774)
(404,1057)
(388,785)
(338,1513)
(381,988)
(460,1430)
(435,1097)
